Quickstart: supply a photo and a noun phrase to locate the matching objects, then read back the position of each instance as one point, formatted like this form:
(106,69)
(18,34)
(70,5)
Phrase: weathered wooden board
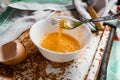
(36,67)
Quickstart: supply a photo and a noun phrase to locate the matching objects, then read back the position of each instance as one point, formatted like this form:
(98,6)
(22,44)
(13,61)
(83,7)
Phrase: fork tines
(55,21)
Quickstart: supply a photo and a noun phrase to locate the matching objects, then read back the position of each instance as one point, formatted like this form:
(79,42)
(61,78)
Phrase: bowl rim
(53,52)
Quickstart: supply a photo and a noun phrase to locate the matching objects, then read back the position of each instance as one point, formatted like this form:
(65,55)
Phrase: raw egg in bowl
(57,44)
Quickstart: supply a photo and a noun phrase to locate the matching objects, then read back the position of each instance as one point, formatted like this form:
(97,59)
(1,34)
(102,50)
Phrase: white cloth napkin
(102,7)
(18,25)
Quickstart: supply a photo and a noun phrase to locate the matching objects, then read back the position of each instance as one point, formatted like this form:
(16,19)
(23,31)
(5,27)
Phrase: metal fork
(71,23)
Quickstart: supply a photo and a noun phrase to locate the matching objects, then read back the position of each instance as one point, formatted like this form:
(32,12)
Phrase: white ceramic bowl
(42,27)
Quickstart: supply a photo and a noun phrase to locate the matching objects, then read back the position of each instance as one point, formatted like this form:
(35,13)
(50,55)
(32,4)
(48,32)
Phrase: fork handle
(114,16)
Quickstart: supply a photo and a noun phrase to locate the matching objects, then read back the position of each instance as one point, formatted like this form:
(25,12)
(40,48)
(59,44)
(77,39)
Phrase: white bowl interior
(82,33)
(42,27)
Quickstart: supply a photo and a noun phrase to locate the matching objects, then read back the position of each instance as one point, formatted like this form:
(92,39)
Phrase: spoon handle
(114,16)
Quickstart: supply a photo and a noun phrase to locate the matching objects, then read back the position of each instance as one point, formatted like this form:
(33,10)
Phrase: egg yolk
(59,42)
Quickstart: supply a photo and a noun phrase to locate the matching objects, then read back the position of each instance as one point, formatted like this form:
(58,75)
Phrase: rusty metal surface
(94,69)
(103,70)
